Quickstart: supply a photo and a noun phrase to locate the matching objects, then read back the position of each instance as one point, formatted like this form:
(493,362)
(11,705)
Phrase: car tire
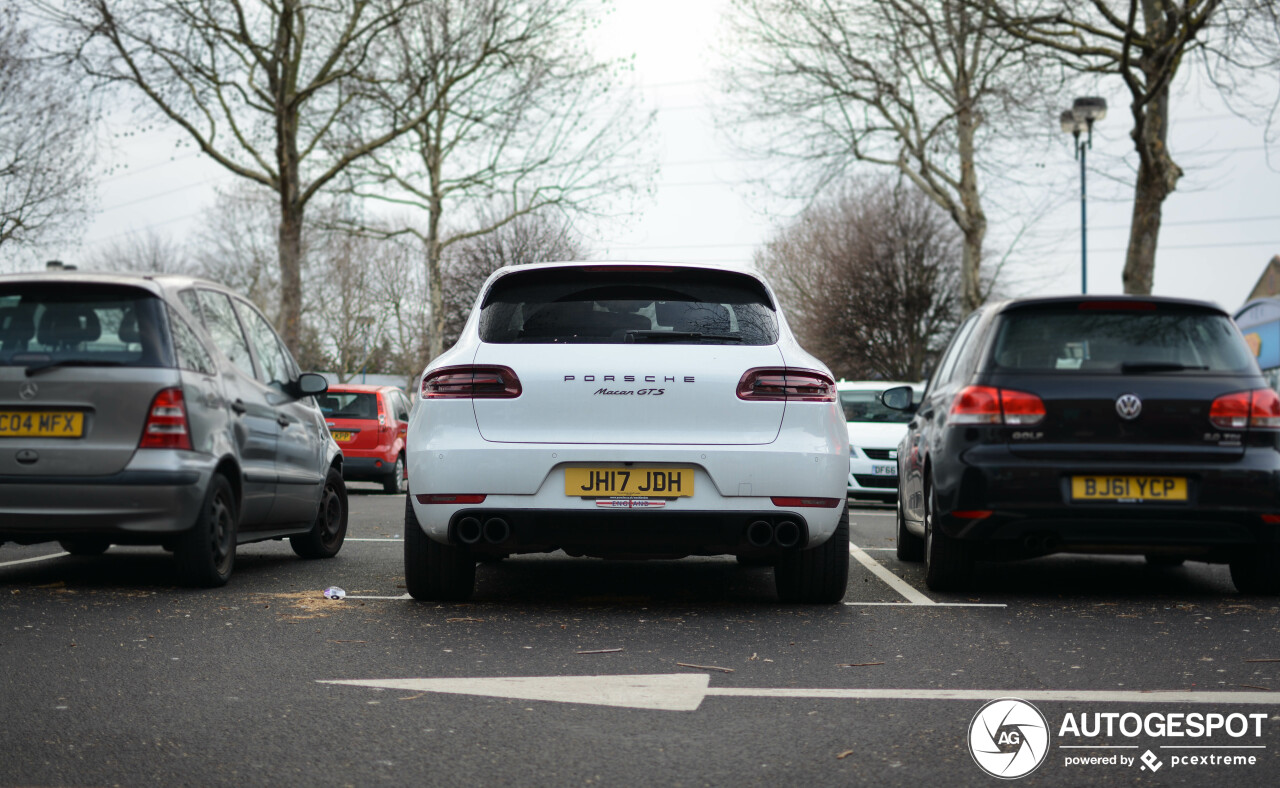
(329,530)
(396,483)
(816,576)
(948,562)
(1257,570)
(85,545)
(206,552)
(434,571)
(1158,561)
(910,547)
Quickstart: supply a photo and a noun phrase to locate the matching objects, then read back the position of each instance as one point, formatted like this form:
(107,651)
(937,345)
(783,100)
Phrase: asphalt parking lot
(584,672)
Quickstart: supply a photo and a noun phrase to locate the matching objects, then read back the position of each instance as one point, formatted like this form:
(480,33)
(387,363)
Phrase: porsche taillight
(767,384)
(471,382)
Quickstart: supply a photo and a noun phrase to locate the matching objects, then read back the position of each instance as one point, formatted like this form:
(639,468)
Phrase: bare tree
(46,141)
(1147,43)
(919,86)
(533,238)
(272,91)
(869,279)
(517,119)
(149,252)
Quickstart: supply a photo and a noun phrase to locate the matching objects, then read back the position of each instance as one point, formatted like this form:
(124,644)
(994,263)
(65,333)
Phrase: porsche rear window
(1130,341)
(47,325)
(594,304)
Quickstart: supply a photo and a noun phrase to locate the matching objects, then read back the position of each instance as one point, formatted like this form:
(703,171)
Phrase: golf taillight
(767,384)
(471,382)
(166,426)
(991,405)
(1257,409)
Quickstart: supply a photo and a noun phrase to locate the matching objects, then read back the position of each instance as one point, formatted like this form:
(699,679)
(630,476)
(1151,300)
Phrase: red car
(369,424)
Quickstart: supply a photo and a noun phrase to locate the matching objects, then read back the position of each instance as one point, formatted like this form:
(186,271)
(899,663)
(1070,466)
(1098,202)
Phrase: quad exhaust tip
(786,534)
(760,533)
(496,530)
(468,530)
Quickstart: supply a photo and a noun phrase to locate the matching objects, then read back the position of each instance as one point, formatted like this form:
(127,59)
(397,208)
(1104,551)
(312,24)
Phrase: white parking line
(380,539)
(893,581)
(402,596)
(31,560)
(905,589)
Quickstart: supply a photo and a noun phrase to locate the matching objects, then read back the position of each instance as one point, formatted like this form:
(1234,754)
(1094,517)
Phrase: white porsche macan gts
(626,410)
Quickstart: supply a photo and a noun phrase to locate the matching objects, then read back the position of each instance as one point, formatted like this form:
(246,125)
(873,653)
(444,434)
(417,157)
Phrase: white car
(874,434)
(627,411)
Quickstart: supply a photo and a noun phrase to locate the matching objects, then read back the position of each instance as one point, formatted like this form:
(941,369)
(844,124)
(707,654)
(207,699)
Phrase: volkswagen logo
(1128,406)
(28,390)
(1009,738)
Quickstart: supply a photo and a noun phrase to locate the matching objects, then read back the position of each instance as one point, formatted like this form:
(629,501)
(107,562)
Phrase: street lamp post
(1076,121)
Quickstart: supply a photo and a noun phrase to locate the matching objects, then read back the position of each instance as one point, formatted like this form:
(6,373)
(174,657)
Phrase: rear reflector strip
(1271,518)
(972,514)
(450,498)
(812,503)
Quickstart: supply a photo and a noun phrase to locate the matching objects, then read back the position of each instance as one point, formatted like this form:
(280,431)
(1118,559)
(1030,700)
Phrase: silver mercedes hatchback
(158,409)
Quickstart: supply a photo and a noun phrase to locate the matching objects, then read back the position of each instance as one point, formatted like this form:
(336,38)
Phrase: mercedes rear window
(1127,341)
(46,325)
(604,305)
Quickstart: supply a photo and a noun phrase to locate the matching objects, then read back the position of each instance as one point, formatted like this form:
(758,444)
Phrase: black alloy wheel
(329,530)
(206,553)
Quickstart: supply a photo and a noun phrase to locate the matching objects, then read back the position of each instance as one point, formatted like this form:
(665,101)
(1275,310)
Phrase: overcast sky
(1220,229)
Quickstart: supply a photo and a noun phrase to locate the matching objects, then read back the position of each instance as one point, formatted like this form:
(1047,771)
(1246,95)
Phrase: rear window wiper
(633,334)
(37,368)
(1156,366)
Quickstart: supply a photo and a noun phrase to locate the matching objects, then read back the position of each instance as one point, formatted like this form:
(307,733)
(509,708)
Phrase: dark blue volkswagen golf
(1082,424)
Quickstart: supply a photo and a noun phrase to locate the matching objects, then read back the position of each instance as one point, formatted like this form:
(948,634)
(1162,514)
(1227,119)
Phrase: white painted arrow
(686,691)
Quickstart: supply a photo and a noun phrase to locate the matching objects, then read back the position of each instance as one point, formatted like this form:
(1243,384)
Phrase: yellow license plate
(41,424)
(632,482)
(343,437)
(1128,488)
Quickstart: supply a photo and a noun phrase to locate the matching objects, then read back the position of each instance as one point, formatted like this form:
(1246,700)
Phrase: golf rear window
(81,324)
(1122,342)
(604,305)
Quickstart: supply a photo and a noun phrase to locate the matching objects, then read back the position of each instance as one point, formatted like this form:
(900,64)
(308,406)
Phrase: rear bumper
(371,468)
(1032,511)
(626,533)
(142,504)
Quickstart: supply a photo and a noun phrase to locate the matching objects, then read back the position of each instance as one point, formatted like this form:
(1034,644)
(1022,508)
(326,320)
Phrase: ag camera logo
(1009,738)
